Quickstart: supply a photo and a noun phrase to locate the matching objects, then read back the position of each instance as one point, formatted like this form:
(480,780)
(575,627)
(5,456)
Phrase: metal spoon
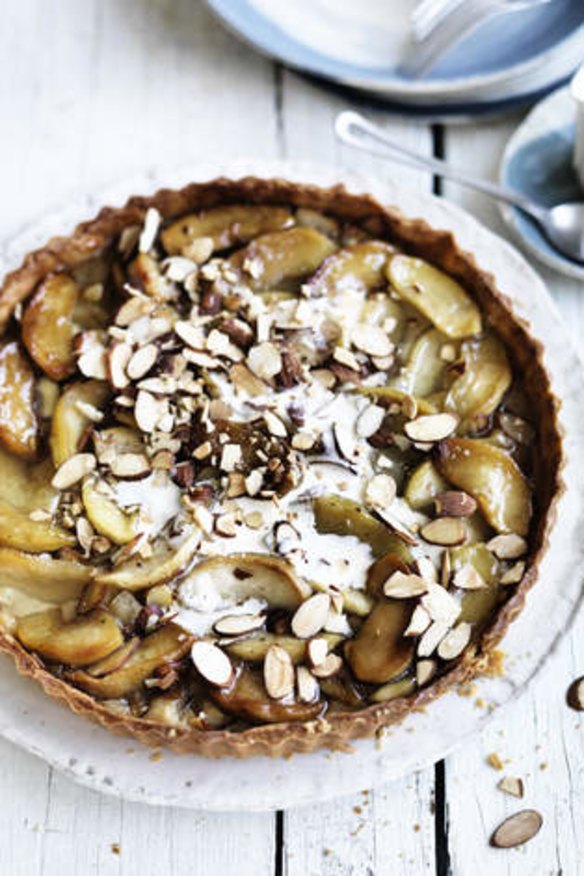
(563,224)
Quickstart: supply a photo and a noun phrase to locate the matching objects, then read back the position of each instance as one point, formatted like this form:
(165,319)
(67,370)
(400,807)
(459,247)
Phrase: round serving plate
(363,46)
(121,766)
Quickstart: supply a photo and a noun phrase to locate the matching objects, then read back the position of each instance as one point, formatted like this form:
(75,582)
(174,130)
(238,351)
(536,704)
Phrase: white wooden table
(92,91)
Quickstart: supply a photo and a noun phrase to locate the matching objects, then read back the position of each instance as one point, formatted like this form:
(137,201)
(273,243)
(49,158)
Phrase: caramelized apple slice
(477,606)
(380,652)
(43,577)
(166,563)
(492,478)
(358,268)
(115,660)
(77,643)
(485,380)
(439,297)
(255,648)
(48,328)
(19,426)
(165,645)
(248,698)
(249,576)
(17,530)
(389,394)
(70,424)
(282,259)
(106,516)
(25,485)
(345,517)
(423,372)
(394,689)
(424,484)
(227,226)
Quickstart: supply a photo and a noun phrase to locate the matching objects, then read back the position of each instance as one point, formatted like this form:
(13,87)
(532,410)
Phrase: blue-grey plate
(512,55)
(538,163)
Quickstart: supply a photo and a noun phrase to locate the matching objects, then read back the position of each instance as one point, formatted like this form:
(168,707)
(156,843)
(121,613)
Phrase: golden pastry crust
(336,729)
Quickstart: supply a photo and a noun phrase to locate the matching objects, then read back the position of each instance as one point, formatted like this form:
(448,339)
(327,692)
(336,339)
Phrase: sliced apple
(248,698)
(165,645)
(167,562)
(77,643)
(227,226)
(492,477)
(424,484)
(115,660)
(48,328)
(342,516)
(17,530)
(70,424)
(357,268)
(379,652)
(477,606)
(19,425)
(26,485)
(106,516)
(436,295)
(283,259)
(423,372)
(254,648)
(485,380)
(394,689)
(43,577)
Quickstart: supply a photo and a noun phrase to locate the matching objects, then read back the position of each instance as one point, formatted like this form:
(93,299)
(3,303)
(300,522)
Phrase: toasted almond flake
(346,440)
(575,695)
(243,379)
(165,385)
(345,357)
(381,490)
(445,531)
(142,361)
(254,520)
(118,358)
(409,407)
(317,650)
(508,546)
(432,638)
(455,503)
(85,534)
(310,617)
(92,361)
(425,670)
(238,624)
(383,363)
(454,642)
(212,663)
(448,353)
(467,578)
(427,570)
(199,250)
(275,425)
(401,585)
(193,336)
(90,411)
(431,427)
(445,569)
(263,327)
(148,411)
(130,465)
(132,309)
(306,685)
(303,441)
(329,666)
(149,230)
(230,457)
(278,673)
(512,786)
(419,622)
(517,829)
(235,485)
(514,574)
(178,268)
(219,344)
(517,428)
(203,450)
(203,518)
(325,377)
(371,339)
(73,470)
(264,360)
(369,420)
(254,482)
(226,525)
(440,605)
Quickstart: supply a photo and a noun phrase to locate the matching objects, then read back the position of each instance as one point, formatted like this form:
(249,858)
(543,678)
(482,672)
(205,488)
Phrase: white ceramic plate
(120,766)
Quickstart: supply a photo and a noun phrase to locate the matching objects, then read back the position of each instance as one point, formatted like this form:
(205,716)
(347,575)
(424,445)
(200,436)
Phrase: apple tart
(277,466)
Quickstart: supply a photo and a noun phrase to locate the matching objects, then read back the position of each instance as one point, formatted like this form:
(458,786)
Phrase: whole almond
(455,503)
(278,673)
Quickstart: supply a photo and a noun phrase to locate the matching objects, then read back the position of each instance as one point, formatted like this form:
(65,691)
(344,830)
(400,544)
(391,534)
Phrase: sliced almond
(275,425)
(575,695)
(231,456)
(310,617)
(419,622)
(512,786)
(149,410)
(346,441)
(369,421)
(131,466)
(425,670)
(455,503)
(317,650)
(371,339)
(346,358)
(226,525)
(193,336)
(73,470)
(212,663)
(427,570)
(431,427)
(447,531)
(468,578)
(514,574)
(440,605)
(278,673)
(264,360)
(306,685)
(508,546)
(400,585)
(454,642)
(517,829)
(330,666)
(142,361)
(117,359)
(381,490)
(149,231)
(239,624)
(432,638)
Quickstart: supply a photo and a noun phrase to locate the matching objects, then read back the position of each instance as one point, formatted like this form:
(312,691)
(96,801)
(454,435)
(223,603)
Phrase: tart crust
(337,729)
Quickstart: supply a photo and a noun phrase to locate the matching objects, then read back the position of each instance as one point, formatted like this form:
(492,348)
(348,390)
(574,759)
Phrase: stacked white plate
(513,58)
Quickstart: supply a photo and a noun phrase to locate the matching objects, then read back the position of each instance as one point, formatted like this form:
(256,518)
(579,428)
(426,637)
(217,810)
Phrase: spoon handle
(355,130)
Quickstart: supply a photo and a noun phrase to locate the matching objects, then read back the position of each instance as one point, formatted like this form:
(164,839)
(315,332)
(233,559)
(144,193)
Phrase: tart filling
(258,465)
